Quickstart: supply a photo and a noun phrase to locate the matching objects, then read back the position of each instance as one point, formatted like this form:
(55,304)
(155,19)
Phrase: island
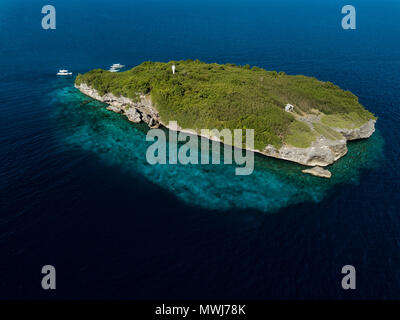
(294,117)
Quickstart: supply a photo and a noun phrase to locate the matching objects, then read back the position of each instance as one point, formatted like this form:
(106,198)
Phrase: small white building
(173,69)
(289,108)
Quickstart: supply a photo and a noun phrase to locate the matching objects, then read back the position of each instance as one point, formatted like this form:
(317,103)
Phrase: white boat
(63,72)
(113,70)
(117,66)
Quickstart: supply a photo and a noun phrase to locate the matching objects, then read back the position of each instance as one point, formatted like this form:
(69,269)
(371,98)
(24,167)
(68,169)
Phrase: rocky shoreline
(322,152)
(137,112)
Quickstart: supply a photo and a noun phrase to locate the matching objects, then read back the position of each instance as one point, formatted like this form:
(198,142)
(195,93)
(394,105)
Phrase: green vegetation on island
(201,95)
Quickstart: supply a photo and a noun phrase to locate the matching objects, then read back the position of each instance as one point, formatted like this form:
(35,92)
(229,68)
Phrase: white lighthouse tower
(173,69)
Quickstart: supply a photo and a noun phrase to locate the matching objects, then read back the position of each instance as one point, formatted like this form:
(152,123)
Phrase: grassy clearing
(327,132)
(202,95)
(349,120)
(300,135)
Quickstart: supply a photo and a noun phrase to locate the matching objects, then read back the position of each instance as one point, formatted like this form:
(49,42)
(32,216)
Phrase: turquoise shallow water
(274,184)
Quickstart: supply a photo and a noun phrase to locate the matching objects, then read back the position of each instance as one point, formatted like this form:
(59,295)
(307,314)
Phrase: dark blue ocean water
(76,191)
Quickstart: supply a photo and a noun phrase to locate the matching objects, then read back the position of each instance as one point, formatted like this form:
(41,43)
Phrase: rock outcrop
(318,172)
(322,152)
(365,131)
(141,111)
